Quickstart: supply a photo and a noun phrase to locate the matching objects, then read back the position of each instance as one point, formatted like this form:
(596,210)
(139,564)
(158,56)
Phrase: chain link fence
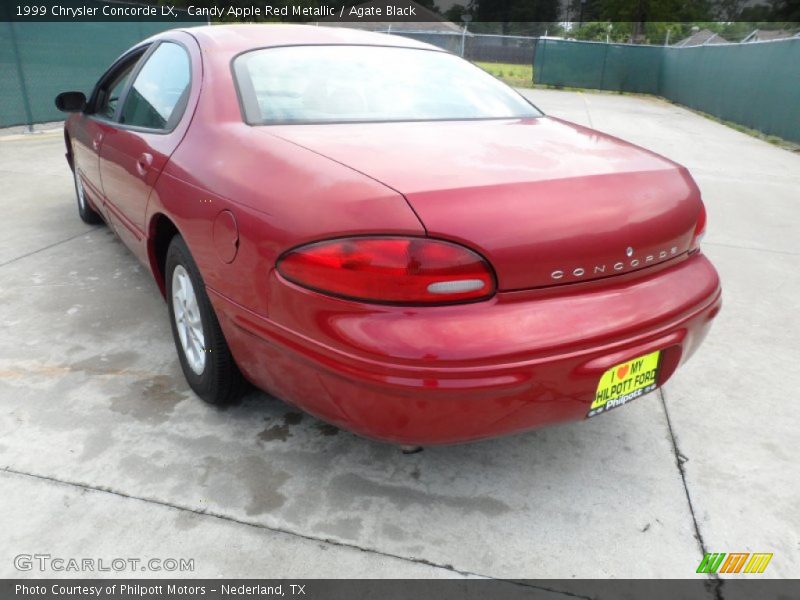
(482,47)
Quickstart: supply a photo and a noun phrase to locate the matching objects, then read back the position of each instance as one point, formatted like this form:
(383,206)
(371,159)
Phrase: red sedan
(386,236)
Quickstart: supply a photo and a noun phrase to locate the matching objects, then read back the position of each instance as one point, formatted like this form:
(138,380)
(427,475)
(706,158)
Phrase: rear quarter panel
(280,197)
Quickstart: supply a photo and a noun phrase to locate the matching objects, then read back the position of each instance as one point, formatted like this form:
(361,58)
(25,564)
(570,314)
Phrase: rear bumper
(459,373)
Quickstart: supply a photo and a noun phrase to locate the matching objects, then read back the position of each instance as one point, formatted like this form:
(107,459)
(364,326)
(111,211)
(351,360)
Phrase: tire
(205,358)
(86,212)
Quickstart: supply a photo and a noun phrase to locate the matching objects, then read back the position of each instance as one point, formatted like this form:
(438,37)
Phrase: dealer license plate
(624,382)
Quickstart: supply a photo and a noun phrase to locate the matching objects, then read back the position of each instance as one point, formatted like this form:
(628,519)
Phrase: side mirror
(71,101)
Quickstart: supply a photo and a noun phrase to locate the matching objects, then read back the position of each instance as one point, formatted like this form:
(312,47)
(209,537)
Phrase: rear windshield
(335,84)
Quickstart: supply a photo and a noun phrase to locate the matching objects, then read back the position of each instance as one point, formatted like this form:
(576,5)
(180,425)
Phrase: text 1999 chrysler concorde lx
(386,236)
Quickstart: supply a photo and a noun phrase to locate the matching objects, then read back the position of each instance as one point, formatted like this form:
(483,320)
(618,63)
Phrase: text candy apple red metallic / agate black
(387,237)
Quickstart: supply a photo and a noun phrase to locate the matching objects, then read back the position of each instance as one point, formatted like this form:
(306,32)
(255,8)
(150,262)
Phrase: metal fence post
(541,62)
(21,76)
(603,70)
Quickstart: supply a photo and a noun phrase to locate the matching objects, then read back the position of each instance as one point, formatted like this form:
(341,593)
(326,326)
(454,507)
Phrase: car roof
(238,38)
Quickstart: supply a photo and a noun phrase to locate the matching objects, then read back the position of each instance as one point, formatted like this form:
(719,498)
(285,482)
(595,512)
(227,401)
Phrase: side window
(159,91)
(109,93)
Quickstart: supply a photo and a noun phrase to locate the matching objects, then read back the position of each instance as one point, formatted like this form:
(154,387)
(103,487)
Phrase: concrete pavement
(101,434)
(732,407)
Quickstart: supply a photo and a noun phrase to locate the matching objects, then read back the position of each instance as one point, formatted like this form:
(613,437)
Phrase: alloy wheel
(188,320)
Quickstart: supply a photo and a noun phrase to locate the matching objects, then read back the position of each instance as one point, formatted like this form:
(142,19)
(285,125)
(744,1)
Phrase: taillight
(699,230)
(394,270)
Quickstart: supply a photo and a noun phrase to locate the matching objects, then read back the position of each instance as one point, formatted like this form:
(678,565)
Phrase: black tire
(86,212)
(219,381)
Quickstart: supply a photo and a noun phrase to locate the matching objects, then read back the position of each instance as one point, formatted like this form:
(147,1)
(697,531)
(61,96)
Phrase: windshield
(334,84)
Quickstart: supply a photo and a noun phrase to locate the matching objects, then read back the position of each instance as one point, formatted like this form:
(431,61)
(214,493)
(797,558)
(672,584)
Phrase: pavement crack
(85,487)
(586,108)
(680,460)
(53,245)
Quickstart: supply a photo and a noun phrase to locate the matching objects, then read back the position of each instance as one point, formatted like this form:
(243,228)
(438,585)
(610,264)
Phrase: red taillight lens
(699,230)
(391,270)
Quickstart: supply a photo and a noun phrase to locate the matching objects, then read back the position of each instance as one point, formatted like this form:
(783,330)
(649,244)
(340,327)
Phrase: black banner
(448,589)
(461,12)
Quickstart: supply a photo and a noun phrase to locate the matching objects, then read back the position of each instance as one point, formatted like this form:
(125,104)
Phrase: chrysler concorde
(386,236)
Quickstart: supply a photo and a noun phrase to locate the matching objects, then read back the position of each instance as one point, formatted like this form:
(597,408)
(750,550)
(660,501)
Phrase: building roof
(426,20)
(701,38)
(763,35)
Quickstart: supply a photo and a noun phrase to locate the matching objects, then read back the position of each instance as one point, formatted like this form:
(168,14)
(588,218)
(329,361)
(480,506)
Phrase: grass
(514,75)
(771,139)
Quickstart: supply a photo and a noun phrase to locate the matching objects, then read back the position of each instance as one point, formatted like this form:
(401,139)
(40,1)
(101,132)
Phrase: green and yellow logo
(736,562)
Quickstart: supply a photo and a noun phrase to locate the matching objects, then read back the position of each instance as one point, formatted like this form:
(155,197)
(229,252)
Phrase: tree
(594,31)
(528,17)
(644,21)
(455,12)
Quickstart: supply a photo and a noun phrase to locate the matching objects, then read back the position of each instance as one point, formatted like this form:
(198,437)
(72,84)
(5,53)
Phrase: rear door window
(158,95)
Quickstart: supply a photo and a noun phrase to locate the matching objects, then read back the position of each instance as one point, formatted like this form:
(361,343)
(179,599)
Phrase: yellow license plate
(622,383)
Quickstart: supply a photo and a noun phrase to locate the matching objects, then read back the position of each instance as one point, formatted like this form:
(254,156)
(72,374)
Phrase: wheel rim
(188,320)
(79,188)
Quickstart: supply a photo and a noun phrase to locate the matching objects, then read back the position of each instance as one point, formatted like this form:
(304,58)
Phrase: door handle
(143,163)
(96,142)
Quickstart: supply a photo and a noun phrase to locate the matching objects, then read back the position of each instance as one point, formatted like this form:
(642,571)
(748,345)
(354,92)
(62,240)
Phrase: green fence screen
(598,66)
(757,85)
(39,60)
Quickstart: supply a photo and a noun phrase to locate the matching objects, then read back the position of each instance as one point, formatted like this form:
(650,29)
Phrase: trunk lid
(547,202)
